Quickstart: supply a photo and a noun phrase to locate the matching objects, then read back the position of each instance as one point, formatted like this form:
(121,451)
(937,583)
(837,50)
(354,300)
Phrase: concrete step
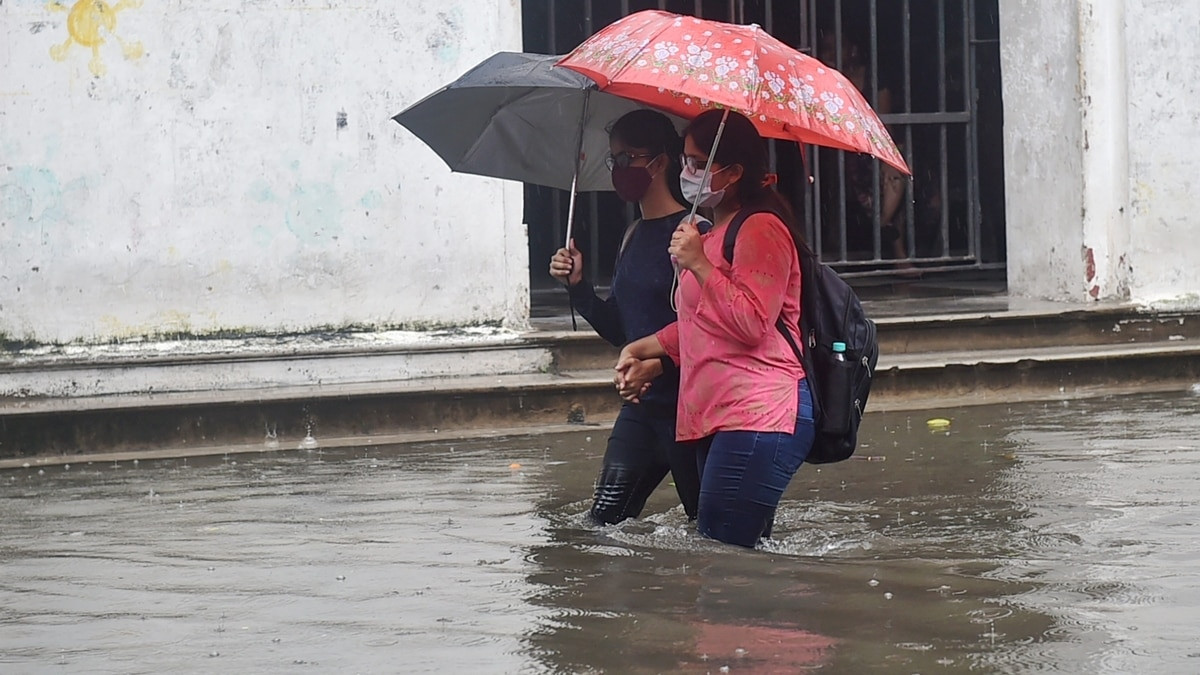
(1028,328)
(75,374)
(363,412)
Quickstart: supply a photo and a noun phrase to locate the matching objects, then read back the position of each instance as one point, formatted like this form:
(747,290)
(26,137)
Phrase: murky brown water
(1050,538)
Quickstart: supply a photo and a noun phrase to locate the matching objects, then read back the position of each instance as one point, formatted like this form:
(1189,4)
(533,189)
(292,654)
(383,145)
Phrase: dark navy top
(639,303)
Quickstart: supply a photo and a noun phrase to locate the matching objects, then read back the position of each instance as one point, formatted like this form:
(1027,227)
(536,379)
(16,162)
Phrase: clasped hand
(634,375)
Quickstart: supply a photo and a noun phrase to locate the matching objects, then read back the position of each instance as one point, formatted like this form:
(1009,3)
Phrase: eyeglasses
(622,160)
(694,164)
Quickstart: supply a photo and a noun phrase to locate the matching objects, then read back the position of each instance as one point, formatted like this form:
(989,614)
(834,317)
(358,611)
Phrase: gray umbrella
(518,117)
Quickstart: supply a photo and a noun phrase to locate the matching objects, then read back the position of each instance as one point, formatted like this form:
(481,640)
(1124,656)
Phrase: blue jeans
(641,450)
(743,475)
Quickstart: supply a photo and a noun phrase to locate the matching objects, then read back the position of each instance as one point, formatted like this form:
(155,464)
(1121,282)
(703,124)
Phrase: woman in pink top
(743,398)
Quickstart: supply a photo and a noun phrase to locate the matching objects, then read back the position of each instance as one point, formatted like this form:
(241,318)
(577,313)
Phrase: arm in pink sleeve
(745,300)
(668,337)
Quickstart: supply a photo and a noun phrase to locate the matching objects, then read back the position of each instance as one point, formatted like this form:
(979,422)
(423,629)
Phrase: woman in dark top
(644,161)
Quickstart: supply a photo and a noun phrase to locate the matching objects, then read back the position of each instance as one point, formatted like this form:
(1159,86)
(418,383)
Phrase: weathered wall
(1039,44)
(231,167)
(1164,150)
(1102,133)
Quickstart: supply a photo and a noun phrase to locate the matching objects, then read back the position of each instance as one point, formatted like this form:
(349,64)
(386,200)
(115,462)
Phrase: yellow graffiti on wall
(88,21)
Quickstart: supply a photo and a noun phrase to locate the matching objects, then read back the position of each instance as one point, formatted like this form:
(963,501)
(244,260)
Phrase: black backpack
(829,312)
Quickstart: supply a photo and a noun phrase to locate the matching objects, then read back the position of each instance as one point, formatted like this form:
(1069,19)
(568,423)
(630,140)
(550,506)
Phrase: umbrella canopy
(516,116)
(686,65)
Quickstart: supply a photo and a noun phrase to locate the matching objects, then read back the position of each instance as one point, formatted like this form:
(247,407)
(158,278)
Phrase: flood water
(1052,538)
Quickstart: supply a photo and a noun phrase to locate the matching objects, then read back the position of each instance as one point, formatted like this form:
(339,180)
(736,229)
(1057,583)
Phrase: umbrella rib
(758,81)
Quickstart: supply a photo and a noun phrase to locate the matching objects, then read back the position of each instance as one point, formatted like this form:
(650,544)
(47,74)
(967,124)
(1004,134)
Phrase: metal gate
(931,70)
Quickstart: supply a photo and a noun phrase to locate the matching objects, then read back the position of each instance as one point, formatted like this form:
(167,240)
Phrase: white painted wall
(203,183)
(1164,151)
(1102,149)
(1043,138)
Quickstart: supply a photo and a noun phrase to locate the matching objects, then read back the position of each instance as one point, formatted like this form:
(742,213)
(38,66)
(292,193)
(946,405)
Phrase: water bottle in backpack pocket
(837,384)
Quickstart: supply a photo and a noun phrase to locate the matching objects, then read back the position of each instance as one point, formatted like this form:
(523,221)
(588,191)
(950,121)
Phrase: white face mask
(690,183)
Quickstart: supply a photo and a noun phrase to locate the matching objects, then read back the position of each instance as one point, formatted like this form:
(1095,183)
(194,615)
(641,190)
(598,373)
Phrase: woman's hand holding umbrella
(567,264)
(687,249)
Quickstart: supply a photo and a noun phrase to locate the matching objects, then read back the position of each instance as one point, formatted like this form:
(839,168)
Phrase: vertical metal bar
(698,8)
(837,28)
(629,208)
(808,12)
(555,196)
(813,187)
(593,271)
(837,33)
(556,205)
(662,4)
(594,238)
(910,216)
(806,44)
(732,11)
(970,65)
(906,38)
(942,143)
(910,211)
(876,191)
(874,24)
(967,38)
(941,37)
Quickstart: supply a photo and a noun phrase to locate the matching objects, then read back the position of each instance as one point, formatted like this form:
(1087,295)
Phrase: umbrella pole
(574,193)
(708,165)
(696,204)
(587,100)
(567,243)
(571,207)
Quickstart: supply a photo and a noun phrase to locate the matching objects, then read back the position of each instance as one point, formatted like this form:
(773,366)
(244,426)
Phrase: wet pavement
(1050,537)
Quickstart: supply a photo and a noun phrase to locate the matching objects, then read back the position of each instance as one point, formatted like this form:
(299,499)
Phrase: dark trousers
(641,451)
(743,475)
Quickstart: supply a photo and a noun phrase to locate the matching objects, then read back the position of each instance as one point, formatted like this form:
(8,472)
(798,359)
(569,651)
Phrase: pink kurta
(737,372)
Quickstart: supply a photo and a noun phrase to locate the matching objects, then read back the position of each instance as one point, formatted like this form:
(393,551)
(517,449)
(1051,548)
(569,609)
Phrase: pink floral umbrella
(684,66)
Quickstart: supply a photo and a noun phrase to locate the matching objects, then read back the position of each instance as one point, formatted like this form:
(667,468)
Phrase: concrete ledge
(181,423)
(948,332)
(193,367)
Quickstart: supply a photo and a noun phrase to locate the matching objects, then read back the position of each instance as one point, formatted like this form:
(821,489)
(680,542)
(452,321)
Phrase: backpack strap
(731,233)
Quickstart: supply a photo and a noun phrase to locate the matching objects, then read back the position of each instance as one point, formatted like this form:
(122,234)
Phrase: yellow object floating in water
(938,423)
(514,466)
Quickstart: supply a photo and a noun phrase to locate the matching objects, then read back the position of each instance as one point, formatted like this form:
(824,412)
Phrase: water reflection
(1041,537)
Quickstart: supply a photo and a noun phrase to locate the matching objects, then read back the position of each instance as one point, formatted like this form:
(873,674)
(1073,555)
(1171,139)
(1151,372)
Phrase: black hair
(742,144)
(654,132)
